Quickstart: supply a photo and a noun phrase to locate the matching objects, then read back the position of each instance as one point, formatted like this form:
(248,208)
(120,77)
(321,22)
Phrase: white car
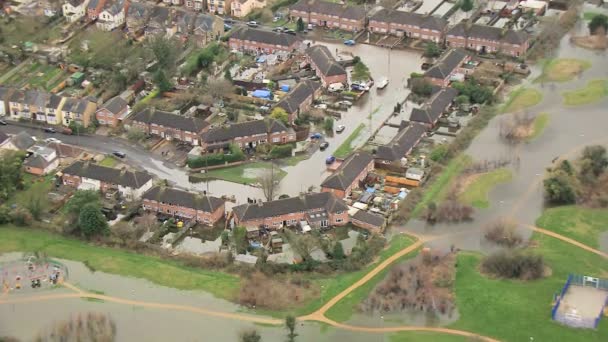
(52,140)
(321,106)
(382,83)
(340,128)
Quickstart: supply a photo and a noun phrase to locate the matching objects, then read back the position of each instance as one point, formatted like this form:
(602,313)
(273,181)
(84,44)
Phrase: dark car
(291,32)
(330,160)
(324,145)
(3,123)
(49,130)
(119,154)
(425,66)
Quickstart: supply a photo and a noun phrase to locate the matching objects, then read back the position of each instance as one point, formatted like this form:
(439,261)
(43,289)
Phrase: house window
(324,223)
(276,140)
(339,220)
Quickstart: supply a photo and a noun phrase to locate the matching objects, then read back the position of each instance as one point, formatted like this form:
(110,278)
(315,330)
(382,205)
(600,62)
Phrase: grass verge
(421,336)
(476,193)
(562,69)
(242,174)
(581,224)
(540,122)
(108,161)
(522,98)
(346,147)
(593,92)
(162,272)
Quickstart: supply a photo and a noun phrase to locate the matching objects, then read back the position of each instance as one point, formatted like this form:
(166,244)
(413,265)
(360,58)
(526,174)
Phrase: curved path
(566,239)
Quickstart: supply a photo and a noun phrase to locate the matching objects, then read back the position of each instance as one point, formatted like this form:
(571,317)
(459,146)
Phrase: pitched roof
(75,105)
(23,141)
(113,6)
(330,8)
(3,137)
(75,3)
(408,18)
(263,36)
(93,4)
(303,90)
(115,105)
(243,129)
(433,109)
(405,140)
(316,201)
(54,101)
(131,179)
(166,119)
(36,161)
(18,95)
(183,199)
(5,92)
(324,60)
(138,10)
(447,64)
(36,98)
(369,218)
(204,22)
(489,33)
(348,171)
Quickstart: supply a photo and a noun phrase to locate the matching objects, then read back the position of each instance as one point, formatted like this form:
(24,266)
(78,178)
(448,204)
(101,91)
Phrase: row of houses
(330,14)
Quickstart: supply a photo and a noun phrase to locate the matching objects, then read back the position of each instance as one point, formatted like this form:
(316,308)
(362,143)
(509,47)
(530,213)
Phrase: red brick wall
(184,212)
(296,217)
(108,118)
(174,134)
(255,46)
(34,170)
(400,30)
(491,46)
(338,193)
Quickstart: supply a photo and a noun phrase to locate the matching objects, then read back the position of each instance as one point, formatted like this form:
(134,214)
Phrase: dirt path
(567,240)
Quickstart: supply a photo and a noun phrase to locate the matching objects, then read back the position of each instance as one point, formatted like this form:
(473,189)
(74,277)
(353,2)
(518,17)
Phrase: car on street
(3,123)
(349,42)
(382,83)
(265,108)
(316,136)
(340,128)
(52,140)
(49,130)
(119,154)
(252,23)
(330,160)
(227,27)
(324,145)
(321,106)
(359,87)
(344,103)
(66,131)
(278,29)
(291,32)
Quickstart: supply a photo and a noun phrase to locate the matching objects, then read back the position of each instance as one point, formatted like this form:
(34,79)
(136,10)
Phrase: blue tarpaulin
(262,94)
(261,59)
(285,87)
(370,190)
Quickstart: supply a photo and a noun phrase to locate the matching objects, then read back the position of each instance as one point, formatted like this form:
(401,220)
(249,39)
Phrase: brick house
(353,170)
(488,39)
(369,221)
(184,204)
(300,99)
(262,41)
(247,135)
(42,161)
(241,8)
(169,126)
(329,14)
(87,176)
(430,113)
(80,111)
(449,65)
(322,209)
(402,144)
(411,25)
(112,112)
(94,8)
(325,65)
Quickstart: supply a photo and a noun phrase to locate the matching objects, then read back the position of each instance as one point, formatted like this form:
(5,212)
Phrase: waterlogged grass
(421,336)
(581,224)
(440,187)
(521,311)
(562,70)
(162,272)
(346,147)
(476,193)
(593,92)
(540,122)
(242,174)
(522,98)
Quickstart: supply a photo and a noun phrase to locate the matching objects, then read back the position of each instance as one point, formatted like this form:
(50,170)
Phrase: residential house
(329,14)
(42,161)
(50,8)
(300,99)
(220,7)
(402,144)
(320,210)
(411,25)
(349,174)
(488,39)
(325,65)
(247,135)
(241,8)
(184,204)
(170,126)
(137,18)
(206,29)
(112,112)
(197,5)
(37,101)
(27,105)
(17,108)
(430,113)
(94,7)
(80,111)
(19,142)
(160,21)
(53,108)
(74,9)
(112,15)
(262,41)
(449,65)
(88,176)
(369,221)
(5,94)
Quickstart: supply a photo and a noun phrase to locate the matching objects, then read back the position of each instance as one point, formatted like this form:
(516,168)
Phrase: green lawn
(579,223)
(116,261)
(243,174)
(346,147)
(437,191)
(522,98)
(476,193)
(109,161)
(593,92)
(421,336)
(540,122)
(590,15)
(562,69)
(515,310)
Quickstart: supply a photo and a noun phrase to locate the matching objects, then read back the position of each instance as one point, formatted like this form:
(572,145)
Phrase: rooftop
(183,199)
(348,171)
(131,179)
(167,119)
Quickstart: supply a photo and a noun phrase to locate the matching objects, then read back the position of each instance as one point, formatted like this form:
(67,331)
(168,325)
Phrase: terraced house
(80,111)
(169,126)
(349,174)
(402,144)
(320,210)
(329,14)
(430,113)
(241,8)
(325,65)
(247,135)
(410,25)
(219,6)
(262,41)
(488,39)
(447,67)
(300,99)
(184,204)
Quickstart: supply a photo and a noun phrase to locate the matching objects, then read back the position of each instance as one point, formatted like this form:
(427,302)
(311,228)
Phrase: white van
(334,87)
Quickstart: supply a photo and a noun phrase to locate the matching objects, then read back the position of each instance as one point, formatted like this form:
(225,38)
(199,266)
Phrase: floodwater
(428,6)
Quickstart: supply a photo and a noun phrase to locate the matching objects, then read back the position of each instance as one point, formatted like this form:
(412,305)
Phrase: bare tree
(218,88)
(304,245)
(269,182)
(82,327)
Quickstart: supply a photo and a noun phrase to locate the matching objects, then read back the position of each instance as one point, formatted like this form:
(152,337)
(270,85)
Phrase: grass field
(540,123)
(440,187)
(476,193)
(242,174)
(419,336)
(579,223)
(522,98)
(110,260)
(590,15)
(109,161)
(346,147)
(512,311)
(562,69)
(593,92)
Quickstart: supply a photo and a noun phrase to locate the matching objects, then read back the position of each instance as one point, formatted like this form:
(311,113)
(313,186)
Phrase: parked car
(49,130)
(382,83)
(264,108)
(321,106)
(316,136)
(330,160)
(291,32)
(252,23)
(66,131)
(344,103)
(3,123)
(324,145)
(119,154)
(52,140)
(359,87)
(349,42)
(278,29)
(340,128)
(227,27)
(334,87)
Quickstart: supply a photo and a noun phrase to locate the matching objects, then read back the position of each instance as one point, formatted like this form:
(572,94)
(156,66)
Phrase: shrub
(5,214)
(21,217)
(439,153)
(504,233)
(281,151)
(217,158)
(514,265)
